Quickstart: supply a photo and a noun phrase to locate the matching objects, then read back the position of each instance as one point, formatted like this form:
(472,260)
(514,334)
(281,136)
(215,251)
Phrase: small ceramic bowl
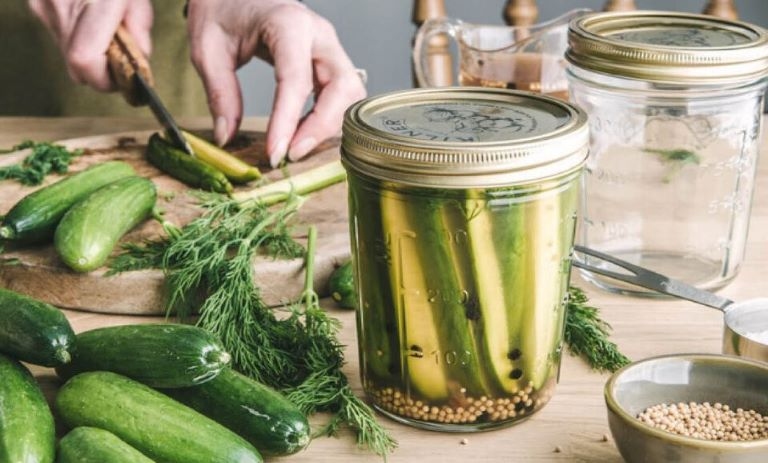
(729,380)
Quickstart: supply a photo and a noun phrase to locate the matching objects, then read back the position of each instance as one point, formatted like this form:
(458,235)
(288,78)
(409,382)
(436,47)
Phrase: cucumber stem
(218,357)
(62,355)
(7,232)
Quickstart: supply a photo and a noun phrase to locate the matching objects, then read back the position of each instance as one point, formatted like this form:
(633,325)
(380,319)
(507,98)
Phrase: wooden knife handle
(125,59)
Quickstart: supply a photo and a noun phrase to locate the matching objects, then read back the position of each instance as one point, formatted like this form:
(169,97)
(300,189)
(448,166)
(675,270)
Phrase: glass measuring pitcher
(524,58)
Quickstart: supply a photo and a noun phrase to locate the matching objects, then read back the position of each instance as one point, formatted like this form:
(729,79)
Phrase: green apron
(34,79)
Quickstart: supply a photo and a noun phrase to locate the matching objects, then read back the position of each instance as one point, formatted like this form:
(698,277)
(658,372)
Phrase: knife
(130,70)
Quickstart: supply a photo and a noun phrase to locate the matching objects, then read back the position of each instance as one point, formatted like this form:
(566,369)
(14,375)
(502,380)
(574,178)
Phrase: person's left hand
(307,57)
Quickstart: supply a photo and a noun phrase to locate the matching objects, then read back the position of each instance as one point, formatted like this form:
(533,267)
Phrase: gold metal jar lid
(463,137)
(669,47)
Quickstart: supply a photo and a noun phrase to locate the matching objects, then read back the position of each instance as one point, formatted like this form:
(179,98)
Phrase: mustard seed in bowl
(708,421)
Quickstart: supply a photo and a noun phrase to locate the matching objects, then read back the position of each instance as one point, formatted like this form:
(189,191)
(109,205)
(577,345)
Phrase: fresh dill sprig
(209,268)
(586,334)
(326,388)
(45,158)
(148,254)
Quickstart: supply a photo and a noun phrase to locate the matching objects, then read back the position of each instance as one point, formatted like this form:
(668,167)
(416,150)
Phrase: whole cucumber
(33,331)
(34,218)
(153,423)
(27,433)
(258,413)
(184,167)
(85,444)
(89,231)
(341,285)
(158,355)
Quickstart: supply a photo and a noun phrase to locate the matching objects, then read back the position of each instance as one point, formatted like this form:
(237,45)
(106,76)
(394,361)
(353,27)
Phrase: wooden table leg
(722,8)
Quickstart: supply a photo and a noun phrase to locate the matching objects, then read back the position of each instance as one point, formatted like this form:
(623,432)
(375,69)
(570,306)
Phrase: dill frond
(586,334)
(45,158)
(208,266)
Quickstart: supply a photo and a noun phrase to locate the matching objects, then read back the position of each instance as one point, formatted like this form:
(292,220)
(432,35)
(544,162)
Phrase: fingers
(305,53)
(337,86)
(301,63)
(293,75)
(214,57)
(83,30)
(325,119)
(138,22)
(88,43)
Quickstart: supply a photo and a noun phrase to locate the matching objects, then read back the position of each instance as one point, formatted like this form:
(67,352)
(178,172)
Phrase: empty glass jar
(675,104)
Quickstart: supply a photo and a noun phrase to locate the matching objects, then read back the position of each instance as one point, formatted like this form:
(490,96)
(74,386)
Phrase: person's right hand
(83,30)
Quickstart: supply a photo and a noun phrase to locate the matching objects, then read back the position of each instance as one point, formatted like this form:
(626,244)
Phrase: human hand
(83,30)
(307,57)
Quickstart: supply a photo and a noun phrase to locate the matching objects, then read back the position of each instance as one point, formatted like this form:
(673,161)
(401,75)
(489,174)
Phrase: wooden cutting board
(40,274)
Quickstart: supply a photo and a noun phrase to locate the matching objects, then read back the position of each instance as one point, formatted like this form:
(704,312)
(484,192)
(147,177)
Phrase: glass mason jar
(462,207)
(675,104)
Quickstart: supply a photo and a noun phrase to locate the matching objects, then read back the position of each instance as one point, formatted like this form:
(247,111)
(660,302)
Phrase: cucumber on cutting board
(89,231)
(159,355)
(85,444)
(256,412)
(27,433)
(34,218)
(151,422)
(185,168)
(33,331)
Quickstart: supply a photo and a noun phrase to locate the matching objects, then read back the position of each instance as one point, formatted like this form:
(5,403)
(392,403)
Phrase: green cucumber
(184,167)
(33,331)
(85,444)
(341,285)
(27,433)
(379,344)
(256,412)
(34,218)
(89,231)
(151,422)
(234,168)
(158,355)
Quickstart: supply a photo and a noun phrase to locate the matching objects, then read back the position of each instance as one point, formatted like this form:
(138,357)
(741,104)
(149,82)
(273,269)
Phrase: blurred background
(377,35)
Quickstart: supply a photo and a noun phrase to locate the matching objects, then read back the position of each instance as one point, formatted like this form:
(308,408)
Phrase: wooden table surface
(573,426)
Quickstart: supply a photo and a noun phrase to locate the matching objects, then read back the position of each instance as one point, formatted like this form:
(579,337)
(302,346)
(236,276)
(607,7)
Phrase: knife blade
(163,115)
(131,71)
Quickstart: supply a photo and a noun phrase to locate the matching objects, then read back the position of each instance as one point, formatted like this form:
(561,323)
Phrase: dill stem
(310,260)
(300,184)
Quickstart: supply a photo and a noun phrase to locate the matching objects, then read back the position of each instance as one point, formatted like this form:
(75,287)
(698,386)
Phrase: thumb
(215,62)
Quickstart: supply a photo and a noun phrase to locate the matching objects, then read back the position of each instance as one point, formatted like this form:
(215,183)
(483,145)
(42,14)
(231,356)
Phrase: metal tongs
(130,70)
(743,320)
(648,279)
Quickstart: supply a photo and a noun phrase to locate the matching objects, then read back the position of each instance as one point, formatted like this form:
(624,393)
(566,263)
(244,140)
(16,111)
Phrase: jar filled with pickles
(462,208)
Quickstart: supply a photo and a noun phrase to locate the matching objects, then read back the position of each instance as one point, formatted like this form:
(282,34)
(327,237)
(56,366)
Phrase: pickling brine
(462,206)
(462,296)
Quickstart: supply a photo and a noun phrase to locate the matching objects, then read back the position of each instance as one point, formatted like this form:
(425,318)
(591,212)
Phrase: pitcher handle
(439,56)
